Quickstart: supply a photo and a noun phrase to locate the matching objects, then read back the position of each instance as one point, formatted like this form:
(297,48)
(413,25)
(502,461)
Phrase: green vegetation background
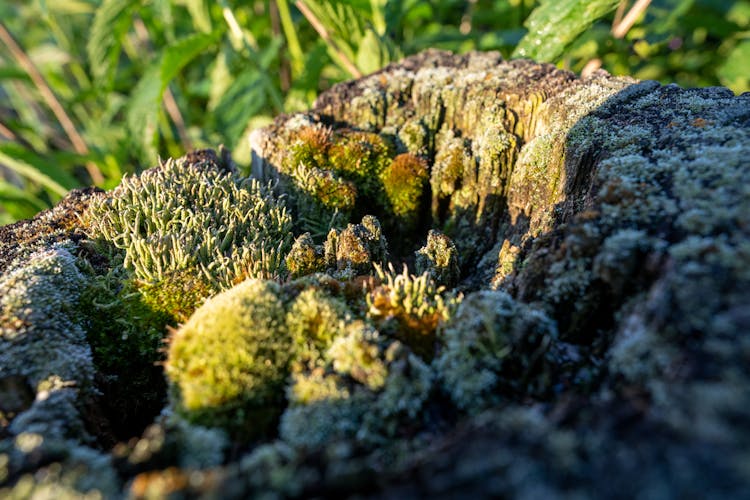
(92,90)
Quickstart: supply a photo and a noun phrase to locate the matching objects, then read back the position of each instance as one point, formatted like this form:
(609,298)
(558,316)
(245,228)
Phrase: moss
(332,173)
(410,308)
(314,319)
(190,230)
(439,259)
(372,391)
(228,363)
(361,157)
(494,349)
(404,183)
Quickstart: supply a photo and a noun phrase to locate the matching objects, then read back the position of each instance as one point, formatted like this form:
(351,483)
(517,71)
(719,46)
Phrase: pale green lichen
(43,343)
(187,227)
(40,330)
(493,349)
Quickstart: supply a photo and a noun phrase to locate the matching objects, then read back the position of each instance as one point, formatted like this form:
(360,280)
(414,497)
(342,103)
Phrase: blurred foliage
(139,79)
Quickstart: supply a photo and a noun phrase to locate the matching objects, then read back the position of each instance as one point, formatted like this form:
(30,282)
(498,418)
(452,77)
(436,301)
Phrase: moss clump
(371,390)
(314,319)
(228,363)
(332,173)
(410,308)
(492,349)
(190,230)
(403,183)
(126,338)
(439,259)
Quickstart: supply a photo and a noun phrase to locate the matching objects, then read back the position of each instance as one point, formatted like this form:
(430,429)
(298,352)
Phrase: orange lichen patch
(700,122)
(418,331)
(172,481)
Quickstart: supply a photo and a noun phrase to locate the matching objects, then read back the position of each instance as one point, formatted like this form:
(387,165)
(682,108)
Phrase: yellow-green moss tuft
(228,363)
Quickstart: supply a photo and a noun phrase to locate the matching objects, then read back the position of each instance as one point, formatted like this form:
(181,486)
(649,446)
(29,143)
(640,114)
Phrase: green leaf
(373,53)
(735,72)
(13,73)
(19,203)
(145,101)
(243,99)
(34,168)
(555,24)
(199,14)
(111,21)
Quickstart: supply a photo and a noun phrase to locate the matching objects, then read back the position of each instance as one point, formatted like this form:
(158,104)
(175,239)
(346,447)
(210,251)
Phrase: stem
(173,110)
(318,26)
(622,28)
(49,97)
(619,13)
(295,49)
(234,28)
(8,133)
(251,45)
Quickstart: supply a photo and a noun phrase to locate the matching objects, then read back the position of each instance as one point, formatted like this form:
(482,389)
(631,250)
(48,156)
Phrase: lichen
(494,349)
(43,344)
(190,230)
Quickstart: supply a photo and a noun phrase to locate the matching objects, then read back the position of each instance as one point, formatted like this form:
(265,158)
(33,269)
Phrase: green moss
(410,308)
(361,157)
(404,183)
(332,173)
(439,259)
(228,363)
(126,337)
(372,391)
(314,319)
